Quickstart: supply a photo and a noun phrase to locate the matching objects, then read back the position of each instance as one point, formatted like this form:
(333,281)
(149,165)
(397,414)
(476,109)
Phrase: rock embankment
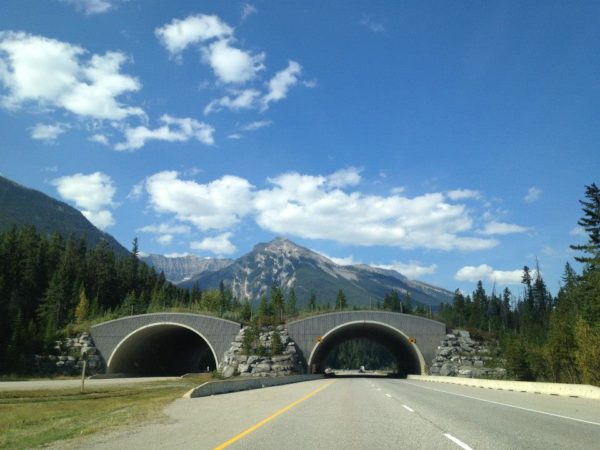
(67,358)
(461,356)
(254,356)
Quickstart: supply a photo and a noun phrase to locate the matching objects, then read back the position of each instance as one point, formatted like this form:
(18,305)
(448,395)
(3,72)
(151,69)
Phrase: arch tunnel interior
(162,350)
(401,349)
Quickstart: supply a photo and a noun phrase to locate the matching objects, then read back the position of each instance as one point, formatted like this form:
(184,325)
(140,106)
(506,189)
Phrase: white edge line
(388,395)
(408,408)
(457,441)
(510,406)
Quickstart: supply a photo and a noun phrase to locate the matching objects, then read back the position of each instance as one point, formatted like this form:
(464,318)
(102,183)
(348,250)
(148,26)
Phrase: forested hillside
(545,337)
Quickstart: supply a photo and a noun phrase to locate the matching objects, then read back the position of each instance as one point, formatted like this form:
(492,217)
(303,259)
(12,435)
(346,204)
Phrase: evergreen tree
(277,302)
(312,302)
(340,300)
(276,345)
(290,307)
(590,222)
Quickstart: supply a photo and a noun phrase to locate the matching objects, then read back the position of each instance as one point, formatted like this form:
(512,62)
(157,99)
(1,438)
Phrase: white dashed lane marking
(457,441)
(408,408)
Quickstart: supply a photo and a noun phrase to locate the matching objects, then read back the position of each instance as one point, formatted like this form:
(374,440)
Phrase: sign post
(84,357)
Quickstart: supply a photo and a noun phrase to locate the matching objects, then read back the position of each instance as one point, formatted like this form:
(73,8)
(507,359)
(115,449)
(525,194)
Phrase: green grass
(35,418)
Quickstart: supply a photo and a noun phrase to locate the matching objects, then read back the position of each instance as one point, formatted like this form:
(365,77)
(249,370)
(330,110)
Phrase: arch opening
(164,349)
(407,359)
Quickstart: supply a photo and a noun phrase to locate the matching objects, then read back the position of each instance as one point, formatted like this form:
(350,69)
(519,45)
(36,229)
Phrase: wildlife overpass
(176,343)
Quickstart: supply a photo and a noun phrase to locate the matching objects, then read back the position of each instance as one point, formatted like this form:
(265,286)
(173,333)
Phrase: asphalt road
(371,413)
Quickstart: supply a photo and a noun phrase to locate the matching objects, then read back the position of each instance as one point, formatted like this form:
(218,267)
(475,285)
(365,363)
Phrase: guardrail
(562,389)
(226,386)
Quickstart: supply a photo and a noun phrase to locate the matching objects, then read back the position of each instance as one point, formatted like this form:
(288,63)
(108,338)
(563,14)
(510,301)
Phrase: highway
(350,413)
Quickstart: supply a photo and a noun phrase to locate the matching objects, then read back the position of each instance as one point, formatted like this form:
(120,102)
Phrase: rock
(445,351)
(465,373)
(242,368)
(60,363)
(261,368)
(281,358)
(478,363)
(227,371)
(447,370)
(252,359)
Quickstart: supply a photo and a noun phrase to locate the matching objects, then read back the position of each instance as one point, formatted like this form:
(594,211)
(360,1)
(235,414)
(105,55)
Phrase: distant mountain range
(23,206)
(280,261)
(183,268)
(290,265)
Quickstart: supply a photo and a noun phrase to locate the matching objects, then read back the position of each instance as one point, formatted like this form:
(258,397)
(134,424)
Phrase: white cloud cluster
(533,195)
(248,10)
(232,66)
(316,207)
(219,245)
(52,74)
(412,269)
(47,132)
(92,194)
(306,206)
(484,272)
(463,194)
(494,227)
(174,130)
(179,34)
(90,7)
(217,205)
(165,231)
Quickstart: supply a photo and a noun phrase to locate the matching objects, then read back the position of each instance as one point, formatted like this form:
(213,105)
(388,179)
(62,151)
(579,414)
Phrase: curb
(561,389)
(227,386)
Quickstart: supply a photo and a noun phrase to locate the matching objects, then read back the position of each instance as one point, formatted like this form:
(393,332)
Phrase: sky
(450,141)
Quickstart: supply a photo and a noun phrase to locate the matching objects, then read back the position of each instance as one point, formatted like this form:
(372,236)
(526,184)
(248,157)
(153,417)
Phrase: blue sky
(449,140)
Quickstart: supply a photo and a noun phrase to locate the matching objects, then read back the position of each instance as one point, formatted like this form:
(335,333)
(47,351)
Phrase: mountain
(23,206)
(290,265)
(182,268)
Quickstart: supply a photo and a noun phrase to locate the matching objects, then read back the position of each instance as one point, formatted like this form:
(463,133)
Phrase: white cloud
(282,82)
(397,190)
(165,228)
(50,169)
(92,194)
(178,34)
(235,136)
(230,64)
(484,272)
(304,205)
(101,219)
(245,99)
(219,245)
(462,194)
(533,195)
(371,25)
(343,261)
(412,269)
(47,132)
(99,139)
(217,205)
(173,130)
(164,239)
(248,10)
(493,227)
(344,177)
(89,7)
(49,73)
(253,126)
(578,231)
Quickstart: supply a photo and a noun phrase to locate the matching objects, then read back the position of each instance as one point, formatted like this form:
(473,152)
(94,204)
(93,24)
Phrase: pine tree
(276,345)
(290,307)
(340,300)
(277,302)
(312,302)
(590,222)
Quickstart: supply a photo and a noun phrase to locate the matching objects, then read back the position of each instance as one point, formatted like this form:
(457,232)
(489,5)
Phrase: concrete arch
(171,340)
(122,360)
(424,334)
(408,356)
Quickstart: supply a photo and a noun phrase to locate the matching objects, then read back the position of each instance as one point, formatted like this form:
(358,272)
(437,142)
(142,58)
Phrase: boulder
(227,371)
(242,368)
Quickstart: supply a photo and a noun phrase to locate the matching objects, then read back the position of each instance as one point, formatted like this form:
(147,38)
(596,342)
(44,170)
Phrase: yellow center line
(271,417)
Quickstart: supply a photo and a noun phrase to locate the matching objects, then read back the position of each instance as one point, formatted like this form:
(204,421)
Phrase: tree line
(545,337)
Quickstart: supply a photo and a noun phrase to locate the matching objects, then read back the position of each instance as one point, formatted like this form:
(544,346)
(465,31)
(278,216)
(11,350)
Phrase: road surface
(371,413)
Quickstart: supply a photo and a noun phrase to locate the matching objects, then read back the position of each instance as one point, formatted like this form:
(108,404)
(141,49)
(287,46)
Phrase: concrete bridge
(177,343)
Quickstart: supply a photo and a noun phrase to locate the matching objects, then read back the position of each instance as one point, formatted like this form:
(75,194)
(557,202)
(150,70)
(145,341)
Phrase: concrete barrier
(562,389)
(244,384)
